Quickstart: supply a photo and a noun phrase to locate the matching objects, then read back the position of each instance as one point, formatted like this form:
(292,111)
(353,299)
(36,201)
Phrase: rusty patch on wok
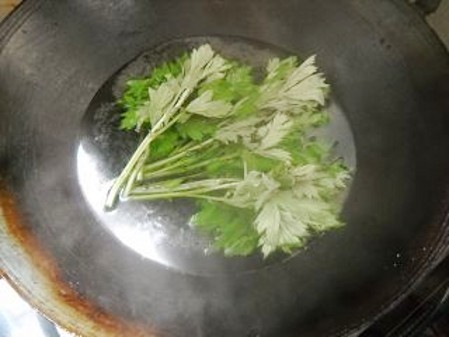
(56,299)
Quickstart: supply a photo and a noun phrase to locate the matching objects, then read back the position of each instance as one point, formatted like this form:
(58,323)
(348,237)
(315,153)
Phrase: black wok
(62,62)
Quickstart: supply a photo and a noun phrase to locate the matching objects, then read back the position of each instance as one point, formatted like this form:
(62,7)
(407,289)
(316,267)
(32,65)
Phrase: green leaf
(227,169)
(278,70)
(313,152)
(164,144)
(270,136)
(256,162)
(203,65)
(196,128)
(135,95)
(167,70)
(237,84)
(248,105)
(129,119)
(205,105)
(230,227)
(300,88)
(287,220)
(255,188)
(136,92)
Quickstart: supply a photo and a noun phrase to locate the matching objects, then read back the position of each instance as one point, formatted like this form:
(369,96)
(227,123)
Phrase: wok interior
(389,87)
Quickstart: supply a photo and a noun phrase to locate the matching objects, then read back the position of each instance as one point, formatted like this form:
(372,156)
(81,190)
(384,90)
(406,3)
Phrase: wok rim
(47,305)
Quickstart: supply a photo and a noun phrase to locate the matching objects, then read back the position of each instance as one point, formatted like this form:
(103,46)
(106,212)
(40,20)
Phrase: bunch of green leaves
(136,92)
(240,147)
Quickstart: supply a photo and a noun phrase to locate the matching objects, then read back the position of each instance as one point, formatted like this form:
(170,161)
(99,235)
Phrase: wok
(140,270)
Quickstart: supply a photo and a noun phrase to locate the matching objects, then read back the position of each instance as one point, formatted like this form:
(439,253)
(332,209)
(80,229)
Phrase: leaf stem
(134,175)
(158,129)
(168,160)
(188,194)
(207,185)
(173,169)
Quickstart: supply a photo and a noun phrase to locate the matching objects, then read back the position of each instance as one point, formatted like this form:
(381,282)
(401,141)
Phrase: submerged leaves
(204,105)
(239,147)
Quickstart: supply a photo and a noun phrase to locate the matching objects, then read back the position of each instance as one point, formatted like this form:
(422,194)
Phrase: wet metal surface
(62,253)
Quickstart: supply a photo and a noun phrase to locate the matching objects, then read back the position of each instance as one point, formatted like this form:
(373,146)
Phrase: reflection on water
(143,236)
